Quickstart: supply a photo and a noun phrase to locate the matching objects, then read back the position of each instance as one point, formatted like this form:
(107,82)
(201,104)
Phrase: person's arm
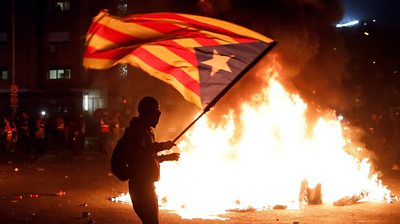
(156,147)
(169,157)
(142,147)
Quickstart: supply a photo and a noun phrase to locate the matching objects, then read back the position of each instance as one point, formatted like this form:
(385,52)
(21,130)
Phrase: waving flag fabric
(198,56)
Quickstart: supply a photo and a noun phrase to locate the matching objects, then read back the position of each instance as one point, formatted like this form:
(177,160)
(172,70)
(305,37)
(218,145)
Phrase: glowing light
(259,158)
(266,165)
(86,102)
(43,112)
(351,23)
(366,33)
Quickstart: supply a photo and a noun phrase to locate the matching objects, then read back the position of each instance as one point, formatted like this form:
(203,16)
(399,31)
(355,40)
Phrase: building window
(59,73)
(62,6)
(4,73)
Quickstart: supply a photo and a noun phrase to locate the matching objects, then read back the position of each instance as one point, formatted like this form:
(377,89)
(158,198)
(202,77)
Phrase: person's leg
(144,201)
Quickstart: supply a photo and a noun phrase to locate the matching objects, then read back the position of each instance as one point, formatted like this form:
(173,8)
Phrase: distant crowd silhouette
(36,135)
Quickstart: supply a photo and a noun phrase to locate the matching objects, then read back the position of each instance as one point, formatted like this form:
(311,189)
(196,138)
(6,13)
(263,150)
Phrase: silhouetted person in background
(104,137)
(144,162)
(39,133)
(115,128)
(24,130)
(8,135)
(59,131)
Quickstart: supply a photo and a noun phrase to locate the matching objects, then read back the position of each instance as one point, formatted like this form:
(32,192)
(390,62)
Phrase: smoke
(311,53)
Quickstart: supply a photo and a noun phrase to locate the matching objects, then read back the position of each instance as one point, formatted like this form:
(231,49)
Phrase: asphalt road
(88,187)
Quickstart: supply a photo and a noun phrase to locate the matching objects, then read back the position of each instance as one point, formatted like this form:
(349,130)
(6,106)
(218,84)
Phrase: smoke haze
(311,54)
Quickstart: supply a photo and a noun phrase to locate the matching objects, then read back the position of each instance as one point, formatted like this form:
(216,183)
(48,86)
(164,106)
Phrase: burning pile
(278,159)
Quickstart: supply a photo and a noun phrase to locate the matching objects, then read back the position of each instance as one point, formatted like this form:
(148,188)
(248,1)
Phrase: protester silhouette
(144,163)
(25,130)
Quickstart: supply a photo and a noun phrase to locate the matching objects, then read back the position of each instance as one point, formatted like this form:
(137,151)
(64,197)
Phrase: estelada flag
(198,56)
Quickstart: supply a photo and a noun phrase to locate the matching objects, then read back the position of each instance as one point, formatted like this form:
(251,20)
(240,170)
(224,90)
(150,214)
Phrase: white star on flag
(218,62)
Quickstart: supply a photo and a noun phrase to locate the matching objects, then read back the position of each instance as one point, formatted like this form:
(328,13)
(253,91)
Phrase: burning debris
(311,196)
(279,207)
(122,198)
(280,161)
(349,200)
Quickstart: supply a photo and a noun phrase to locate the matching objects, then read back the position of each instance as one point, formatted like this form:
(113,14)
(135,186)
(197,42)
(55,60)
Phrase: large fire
(264,166)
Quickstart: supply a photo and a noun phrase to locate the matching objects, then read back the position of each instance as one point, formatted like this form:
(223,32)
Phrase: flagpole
(227,88)
(189,126)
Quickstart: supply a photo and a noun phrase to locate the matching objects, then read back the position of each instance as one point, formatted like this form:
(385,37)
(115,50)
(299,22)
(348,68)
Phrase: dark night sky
(384,11)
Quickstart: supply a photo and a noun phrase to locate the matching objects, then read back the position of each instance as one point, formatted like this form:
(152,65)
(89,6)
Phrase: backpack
(119,159)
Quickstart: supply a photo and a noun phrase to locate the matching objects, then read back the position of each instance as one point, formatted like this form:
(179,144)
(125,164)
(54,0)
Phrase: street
(60,188)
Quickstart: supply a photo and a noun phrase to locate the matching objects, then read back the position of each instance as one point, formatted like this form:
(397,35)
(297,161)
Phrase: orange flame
(265,167)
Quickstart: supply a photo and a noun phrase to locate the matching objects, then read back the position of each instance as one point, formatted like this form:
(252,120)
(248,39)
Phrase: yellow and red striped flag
(198,56)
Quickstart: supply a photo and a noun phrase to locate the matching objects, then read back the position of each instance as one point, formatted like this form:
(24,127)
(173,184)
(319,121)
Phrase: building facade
(41,48)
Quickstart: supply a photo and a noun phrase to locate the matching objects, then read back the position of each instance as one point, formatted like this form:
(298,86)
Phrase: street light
(86,102)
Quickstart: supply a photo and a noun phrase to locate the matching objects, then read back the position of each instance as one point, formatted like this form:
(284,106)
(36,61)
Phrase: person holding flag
(143,161)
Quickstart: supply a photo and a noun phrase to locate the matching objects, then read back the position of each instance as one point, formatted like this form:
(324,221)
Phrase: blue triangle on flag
(215,77)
